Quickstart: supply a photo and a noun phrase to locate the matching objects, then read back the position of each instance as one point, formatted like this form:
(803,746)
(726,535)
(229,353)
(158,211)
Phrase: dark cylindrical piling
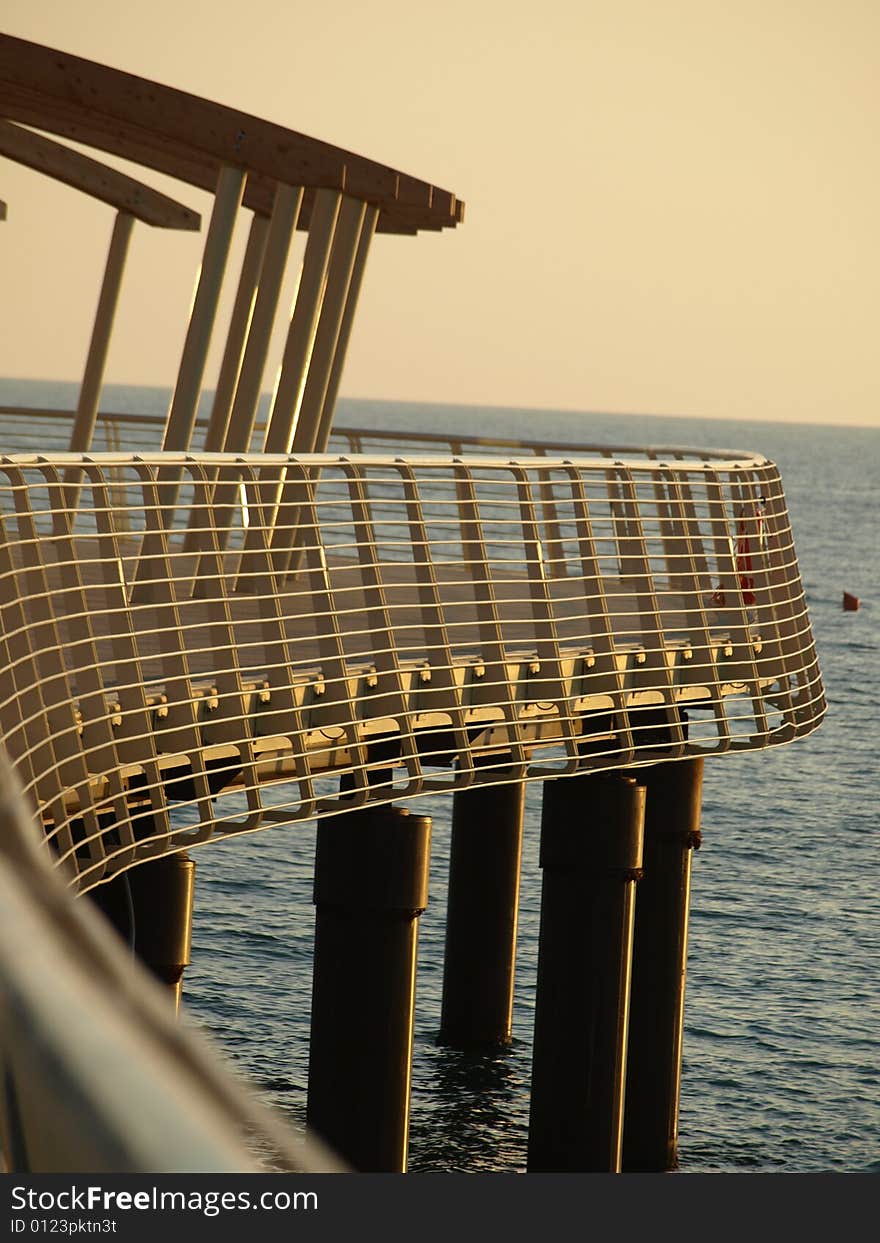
(151,907)
(371,885)
(484,865)
(672,831)
(591,855)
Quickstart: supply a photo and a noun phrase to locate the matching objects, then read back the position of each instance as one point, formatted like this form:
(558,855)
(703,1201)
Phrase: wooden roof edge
(170,159)
(133,116)
(200,170)
(91,177)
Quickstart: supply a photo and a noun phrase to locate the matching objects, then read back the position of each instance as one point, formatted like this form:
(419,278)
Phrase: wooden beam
(130,142)
(131,116)
(174,160)
(93,178)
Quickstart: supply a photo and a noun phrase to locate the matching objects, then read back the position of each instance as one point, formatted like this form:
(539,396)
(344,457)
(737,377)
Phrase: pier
(214,628)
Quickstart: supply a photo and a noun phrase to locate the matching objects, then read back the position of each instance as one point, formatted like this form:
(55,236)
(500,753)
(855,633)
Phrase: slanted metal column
(591,854)
(653,1077)
(368,229)
(184,403)
(304,323)
(339,271)
(371,885)
(151,907)
(481,919)
(285,214)
(234,435)
(237,334)
(296,360)
(102,330)
(230,366)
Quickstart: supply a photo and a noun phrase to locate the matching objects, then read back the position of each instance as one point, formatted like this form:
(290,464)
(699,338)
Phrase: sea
(781,1069)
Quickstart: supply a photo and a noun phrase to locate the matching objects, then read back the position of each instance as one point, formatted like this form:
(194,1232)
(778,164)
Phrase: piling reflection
(469,1110)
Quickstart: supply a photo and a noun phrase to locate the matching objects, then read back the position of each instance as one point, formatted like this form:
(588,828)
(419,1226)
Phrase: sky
(672,206)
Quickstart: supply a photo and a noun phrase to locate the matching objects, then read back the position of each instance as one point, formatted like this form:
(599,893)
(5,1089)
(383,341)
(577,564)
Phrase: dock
(213,627)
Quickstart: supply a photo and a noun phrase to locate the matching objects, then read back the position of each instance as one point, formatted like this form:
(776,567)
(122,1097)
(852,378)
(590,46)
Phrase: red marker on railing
(745,531)
(744,567)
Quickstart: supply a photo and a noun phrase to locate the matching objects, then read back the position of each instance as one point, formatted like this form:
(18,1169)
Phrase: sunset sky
(672,207)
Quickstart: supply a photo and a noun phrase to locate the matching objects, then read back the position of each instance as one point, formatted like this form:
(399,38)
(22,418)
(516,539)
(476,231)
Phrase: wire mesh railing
(98,1073)
(192,643)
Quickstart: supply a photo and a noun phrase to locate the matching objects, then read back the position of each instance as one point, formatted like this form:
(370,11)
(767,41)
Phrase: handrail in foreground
(98,1074)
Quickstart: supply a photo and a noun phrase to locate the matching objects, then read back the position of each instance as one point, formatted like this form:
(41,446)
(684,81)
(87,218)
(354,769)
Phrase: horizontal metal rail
(141,432)
(302,635)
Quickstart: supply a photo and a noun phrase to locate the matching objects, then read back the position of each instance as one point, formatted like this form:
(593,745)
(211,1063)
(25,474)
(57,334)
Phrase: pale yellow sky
(672,205)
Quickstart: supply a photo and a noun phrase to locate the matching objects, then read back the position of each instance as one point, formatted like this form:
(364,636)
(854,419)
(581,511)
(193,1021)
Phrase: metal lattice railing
(193,645)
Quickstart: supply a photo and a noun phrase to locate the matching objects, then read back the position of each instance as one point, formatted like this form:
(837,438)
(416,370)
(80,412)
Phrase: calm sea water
(782,1029)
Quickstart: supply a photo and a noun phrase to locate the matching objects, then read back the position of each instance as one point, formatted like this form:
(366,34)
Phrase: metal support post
(371,885)
(184,403)
(102,330)
(284,414)
(481,919)
(653,1078)
(339,272)
(93,376)
(285,214)
(235,434)
(368,230)
(591,854)
(237,335)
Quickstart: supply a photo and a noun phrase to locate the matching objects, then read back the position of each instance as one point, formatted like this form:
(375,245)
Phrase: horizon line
(494,406)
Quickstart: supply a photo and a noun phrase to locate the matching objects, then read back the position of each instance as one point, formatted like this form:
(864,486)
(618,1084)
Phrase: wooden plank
(91,177)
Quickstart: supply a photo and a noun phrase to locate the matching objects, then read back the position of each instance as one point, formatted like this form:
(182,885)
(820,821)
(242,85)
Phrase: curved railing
(193,644)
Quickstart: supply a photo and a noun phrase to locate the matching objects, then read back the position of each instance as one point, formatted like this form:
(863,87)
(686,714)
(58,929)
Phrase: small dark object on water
(850,602)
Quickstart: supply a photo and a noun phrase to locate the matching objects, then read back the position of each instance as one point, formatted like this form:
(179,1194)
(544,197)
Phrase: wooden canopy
(190,138)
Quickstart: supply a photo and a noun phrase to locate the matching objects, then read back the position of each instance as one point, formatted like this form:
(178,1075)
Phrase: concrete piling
(481,921)
(591,856)
(371,885)
(672,831)
(151,907)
